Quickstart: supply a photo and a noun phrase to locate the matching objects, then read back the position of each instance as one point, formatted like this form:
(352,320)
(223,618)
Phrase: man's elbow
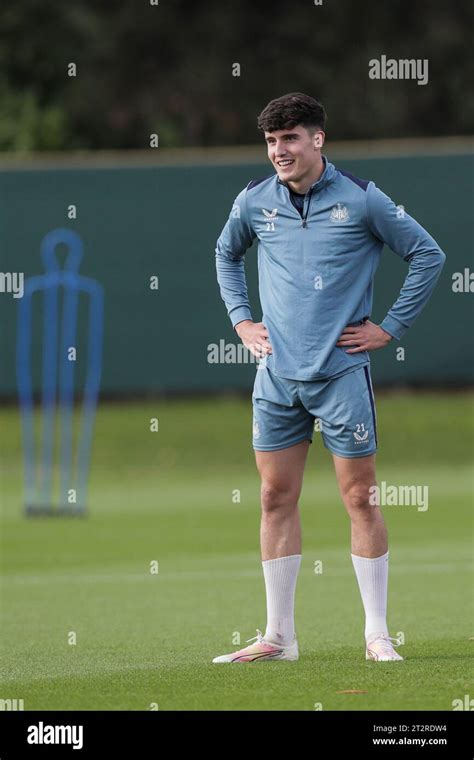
(434,257)
(441,257)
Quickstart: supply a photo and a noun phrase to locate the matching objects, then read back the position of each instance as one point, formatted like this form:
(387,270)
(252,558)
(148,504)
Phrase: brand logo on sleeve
(339,214)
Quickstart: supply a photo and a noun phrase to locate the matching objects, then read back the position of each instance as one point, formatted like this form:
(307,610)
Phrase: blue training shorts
(284,412)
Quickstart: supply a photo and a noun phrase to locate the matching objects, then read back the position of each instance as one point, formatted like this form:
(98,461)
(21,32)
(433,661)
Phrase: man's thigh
(355,474)
(283,470)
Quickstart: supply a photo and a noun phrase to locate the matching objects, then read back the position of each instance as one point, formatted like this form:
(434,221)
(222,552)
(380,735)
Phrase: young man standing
(321,232)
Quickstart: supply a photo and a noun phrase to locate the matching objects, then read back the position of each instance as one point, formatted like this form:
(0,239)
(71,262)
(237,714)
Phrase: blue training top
(316,268)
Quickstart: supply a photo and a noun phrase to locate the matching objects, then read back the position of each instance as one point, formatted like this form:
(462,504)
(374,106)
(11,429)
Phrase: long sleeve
(235,239)
(409,240)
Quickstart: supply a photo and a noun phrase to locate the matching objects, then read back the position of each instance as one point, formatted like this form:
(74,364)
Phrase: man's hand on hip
(254,336)
(366,337)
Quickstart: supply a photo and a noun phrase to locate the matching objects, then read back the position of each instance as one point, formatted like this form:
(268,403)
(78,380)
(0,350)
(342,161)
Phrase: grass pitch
(145,640)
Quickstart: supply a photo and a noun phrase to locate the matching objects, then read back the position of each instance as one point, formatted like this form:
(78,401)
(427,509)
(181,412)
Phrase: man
(321,232)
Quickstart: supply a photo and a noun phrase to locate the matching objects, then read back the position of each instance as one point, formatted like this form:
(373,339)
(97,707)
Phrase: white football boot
(381,649)
(261,651)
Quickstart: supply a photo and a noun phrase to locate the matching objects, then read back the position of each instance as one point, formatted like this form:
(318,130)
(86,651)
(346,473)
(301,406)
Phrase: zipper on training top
(307,209)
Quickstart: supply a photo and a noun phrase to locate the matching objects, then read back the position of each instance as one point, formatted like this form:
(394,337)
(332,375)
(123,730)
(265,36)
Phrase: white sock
(372,576)
(280,584)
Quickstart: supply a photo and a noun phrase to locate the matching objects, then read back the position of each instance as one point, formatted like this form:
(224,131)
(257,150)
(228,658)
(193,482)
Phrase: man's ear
(319,140)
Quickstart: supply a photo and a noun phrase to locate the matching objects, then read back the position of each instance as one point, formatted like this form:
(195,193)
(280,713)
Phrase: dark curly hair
(290,110)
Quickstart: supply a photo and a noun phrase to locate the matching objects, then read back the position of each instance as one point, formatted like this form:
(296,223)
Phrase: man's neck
(302,186)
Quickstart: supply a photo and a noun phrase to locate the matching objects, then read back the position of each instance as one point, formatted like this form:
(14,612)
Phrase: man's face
(294,152)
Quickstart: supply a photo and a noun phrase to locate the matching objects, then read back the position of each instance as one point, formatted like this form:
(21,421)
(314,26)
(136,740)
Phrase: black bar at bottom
(326,734)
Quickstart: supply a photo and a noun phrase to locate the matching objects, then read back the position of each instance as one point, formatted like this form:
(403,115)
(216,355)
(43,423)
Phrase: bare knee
(358,503)
(277,497)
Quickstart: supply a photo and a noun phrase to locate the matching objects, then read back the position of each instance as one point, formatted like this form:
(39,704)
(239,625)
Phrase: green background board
(164,221)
